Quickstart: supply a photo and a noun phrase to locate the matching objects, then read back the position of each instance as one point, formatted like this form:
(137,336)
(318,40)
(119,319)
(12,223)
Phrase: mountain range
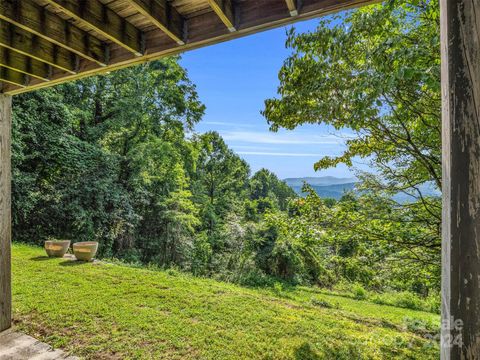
(325,186)
(333,187)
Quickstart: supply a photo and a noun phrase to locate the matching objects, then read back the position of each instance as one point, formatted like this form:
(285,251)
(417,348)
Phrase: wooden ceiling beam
(32,17)
(13,77)
(105,21)
(24,64)
(293,7)
(163,15)
(37,48)
(225,11)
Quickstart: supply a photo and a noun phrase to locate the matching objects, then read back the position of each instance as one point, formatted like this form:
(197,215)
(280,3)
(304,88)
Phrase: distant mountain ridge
(319,181)
(325,186)
(333,187)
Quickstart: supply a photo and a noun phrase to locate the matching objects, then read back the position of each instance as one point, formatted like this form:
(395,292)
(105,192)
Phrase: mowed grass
(106,311)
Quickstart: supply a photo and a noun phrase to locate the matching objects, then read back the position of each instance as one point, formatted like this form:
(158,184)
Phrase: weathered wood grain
(24,64)
(460,39)
(225,11)
(37,48)
(164,16)
(13,77)
(32,17)
(103,20)
(5,212)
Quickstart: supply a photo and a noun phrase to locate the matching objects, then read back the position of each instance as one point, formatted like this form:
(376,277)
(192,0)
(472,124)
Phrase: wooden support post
(460,42)
(5,212)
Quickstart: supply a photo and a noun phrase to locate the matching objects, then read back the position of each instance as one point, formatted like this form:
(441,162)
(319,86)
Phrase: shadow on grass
(305,352)
(41,258)
(73,263)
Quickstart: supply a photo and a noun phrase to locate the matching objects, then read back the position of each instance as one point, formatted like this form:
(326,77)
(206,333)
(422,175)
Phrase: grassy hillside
(106,311)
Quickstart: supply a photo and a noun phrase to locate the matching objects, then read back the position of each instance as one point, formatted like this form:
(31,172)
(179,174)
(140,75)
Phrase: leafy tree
(374,71)
(220,180)
(378,243)
(265,184)
(169,217)
(106,159)
(292,248)
(62,186)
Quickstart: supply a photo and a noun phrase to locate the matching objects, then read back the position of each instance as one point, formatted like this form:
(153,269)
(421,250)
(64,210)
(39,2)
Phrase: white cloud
(255,147)
(262,153)
(227,124)
(285,138)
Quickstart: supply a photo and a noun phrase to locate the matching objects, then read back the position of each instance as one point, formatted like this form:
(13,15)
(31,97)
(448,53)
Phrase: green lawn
(105,311)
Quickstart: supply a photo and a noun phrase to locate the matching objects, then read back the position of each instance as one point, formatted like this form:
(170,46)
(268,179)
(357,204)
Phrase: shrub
(433,303)
(408,300)
(402,299)
(359,292)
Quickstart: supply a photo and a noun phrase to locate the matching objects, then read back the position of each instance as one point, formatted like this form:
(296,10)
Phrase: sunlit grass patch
(106,311)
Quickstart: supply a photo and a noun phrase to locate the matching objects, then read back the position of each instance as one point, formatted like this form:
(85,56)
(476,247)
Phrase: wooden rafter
(24,64)
(163,15)
(103,20)
(13,77)
(292,7)
(37,48)
(29,16)
(224,10)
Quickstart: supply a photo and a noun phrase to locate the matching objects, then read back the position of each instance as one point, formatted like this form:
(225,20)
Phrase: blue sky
(233,79)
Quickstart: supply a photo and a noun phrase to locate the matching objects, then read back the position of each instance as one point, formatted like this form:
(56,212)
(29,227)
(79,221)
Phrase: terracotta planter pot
(85,251)
(55,248)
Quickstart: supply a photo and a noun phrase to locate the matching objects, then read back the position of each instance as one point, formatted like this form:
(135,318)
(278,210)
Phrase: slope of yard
(105,311)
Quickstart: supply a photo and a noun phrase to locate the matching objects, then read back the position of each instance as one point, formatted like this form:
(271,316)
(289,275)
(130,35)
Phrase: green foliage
(266,185)
(359,292)
(114,159)
(94,160)
(202,255)
(374,75)
(403,299)
(220,180)
(408,300)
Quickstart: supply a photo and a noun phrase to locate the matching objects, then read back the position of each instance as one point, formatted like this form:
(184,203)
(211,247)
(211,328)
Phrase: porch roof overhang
(48,42)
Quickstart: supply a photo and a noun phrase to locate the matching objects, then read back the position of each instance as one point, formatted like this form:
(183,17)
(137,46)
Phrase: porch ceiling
(47,42)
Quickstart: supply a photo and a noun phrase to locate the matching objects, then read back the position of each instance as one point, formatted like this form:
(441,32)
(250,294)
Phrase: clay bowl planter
(85,251)
(57,248)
